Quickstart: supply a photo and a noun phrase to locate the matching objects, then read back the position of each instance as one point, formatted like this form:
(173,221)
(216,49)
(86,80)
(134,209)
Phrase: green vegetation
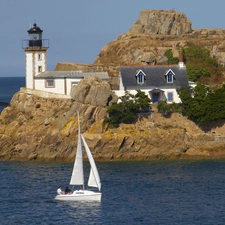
(202,104)
(125,111)
(163,107)
(196,72)
(200,65)
(198,55)
(166,109)
(199,62)
(171,59)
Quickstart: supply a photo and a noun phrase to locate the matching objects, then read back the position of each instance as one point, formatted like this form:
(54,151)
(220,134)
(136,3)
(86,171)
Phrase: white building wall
(70,82)
(121,87)
(35,64)
(39,62)
(29,70)
(62,85)
(59,85)
(176,98)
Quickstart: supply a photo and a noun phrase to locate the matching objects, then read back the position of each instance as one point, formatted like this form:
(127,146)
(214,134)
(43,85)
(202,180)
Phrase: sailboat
(77,177)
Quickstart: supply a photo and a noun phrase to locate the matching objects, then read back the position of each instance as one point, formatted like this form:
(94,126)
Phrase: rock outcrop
(45,129)
(154,32)
(162,22)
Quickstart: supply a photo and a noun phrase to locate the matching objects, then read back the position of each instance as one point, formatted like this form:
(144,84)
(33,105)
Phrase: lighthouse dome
(35,29)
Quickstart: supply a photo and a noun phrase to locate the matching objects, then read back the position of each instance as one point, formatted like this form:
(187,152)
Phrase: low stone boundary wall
(44,94)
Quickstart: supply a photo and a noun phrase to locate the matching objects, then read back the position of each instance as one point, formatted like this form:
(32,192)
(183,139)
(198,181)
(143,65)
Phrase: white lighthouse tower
(35,49)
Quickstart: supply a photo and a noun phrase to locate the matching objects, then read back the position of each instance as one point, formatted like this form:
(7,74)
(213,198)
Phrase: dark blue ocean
(8,87)
(155,192)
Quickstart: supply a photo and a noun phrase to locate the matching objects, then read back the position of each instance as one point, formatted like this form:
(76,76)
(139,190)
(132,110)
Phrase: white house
(158,82)
(37,76)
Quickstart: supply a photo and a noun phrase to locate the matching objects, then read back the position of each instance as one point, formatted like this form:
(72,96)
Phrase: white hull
(80,196)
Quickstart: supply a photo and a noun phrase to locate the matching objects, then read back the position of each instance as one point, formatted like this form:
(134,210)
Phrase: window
(140,76)
(74,83)
(50,83)
(170,96)
(140,79)
(39,57)
(39,69)
(170,76)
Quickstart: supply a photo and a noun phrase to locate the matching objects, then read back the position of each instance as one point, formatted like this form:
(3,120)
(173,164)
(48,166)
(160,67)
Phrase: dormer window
(170,76)
(140,76)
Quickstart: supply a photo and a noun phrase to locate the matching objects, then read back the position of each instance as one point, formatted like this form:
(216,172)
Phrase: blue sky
(79,29)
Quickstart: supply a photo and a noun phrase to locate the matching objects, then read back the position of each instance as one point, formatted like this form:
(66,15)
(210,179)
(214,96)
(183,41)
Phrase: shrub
(125,111)
(171,59)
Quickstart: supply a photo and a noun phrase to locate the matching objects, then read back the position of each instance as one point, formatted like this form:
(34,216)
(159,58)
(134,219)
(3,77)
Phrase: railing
(35,43)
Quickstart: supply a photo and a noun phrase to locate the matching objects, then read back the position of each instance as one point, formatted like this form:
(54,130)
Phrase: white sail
(77,177)
(94,179)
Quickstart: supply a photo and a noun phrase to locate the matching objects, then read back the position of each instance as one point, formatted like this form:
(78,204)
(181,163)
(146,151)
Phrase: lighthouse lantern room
(35,36)
(35,49)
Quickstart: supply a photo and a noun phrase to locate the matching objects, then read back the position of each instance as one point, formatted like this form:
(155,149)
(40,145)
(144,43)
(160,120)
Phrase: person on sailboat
(68,191)
(59,191)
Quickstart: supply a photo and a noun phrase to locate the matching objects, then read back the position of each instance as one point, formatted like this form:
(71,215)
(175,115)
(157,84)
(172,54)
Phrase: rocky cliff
(45,129)
(154,32)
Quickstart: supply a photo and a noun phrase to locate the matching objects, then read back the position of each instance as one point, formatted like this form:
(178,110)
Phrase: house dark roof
(155,76)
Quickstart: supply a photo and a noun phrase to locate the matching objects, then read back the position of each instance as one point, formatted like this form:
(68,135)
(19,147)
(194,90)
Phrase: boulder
(162,22)
(93,91)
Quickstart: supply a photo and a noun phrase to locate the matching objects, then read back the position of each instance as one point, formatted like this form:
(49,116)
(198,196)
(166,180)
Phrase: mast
(77,177)
(79,136)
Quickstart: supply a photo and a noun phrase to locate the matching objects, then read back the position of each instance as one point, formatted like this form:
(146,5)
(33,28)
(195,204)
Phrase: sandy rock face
(35,128)
(93,91)
(161,22)
(43,129)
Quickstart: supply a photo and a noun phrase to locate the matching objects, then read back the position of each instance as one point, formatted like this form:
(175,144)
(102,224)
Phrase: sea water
(8,87)
(154,192)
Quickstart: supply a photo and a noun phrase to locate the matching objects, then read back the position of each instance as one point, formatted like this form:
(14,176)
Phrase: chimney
(181,59)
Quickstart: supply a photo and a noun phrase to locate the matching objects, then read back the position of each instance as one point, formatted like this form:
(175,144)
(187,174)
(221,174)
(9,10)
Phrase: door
(155,98)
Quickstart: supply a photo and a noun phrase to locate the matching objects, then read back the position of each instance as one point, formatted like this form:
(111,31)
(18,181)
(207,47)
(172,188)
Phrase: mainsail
(77,177)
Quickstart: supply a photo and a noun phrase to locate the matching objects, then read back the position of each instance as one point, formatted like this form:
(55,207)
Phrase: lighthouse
(35,49)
